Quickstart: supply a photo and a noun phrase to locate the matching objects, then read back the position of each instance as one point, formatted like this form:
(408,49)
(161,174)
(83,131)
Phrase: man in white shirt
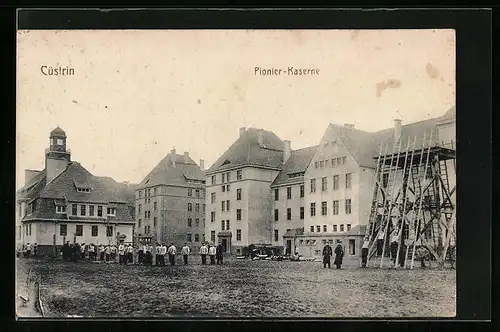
(91,252)
(380,240)
(394,245)
(113,253)
(130,254)
(211,252)
(108,252)
(185,252)
(171,254)
(364,252)
(204,253)
(121,253)
(101,253)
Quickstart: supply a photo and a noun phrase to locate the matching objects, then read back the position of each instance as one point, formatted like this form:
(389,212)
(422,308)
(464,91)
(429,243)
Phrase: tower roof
(58,132)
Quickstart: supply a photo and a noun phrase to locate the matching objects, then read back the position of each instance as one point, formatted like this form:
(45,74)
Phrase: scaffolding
(412,202)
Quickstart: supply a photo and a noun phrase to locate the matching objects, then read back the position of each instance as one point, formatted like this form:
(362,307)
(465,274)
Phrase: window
(145,214)
(238,194)
(197,223)
(238,214)
(227,205)
(197,193)
(223,178)
(79,230)
(342,227)
(83,210)
(335,207)
(222,224)
(63,230)
(112,212)
(318,228)
(238,175)
(190,207)
(313,185)
(154,222)
(348,180)
(212,198)
(276,214)
(334,228)
(289,193)
(213,179)
(276,194)
(74,209)
(99,210)
(212,236)
(348,227)
(60,209)
(324,209)
(154,191)
(335,182)
(140,193)
(190,222)
(228,177)
(323,184)
(301,190)
(91,210)
(312,229)
(29,229)
(94,230)
(344,160)
(289,214)
(276,235)
(155,206)
(189,237)
(197,207)
(316,164)
(227,225)
(385,180)
(313,209)
(109,231)
(204,208)
(334,162)
(352,247)
(321,164)
(212,216)
(348,206)
(223,189)
(60,141)
(301,213)
(139,223)
(190,192)
(324,228)
(238,235)
(197,238)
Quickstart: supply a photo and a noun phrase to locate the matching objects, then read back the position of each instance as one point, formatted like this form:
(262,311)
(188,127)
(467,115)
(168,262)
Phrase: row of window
(238,194)
(324,208)
(147,214)
(226,223)
(148,193)
(334,228)
(84,208)
(330,162)
(238,235)
(238,215)
(226,177)
(63,230)
(288,193)
(196,237)
(336,181)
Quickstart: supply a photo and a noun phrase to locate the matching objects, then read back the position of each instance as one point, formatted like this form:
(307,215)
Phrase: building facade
(65,202)
(170,202)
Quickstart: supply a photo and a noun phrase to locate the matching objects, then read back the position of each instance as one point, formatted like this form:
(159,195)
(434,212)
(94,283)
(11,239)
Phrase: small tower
(57,156)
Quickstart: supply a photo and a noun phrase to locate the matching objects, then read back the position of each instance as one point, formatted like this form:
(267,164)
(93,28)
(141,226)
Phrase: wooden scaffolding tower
(413,200)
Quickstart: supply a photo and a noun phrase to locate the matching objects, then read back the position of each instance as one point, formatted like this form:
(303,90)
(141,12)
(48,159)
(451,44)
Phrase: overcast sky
(137,94)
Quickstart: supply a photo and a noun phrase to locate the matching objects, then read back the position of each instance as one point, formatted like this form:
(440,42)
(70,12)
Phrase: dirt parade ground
(239,288)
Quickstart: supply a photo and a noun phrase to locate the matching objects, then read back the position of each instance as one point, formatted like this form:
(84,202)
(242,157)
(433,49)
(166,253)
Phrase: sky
(136,94)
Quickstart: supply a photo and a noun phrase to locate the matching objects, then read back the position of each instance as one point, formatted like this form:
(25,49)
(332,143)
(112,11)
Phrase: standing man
(108,252)
(28,250)
(394,245)
(121,253)
(35,249)
(380,241)
(204,253)
(218,254)
(101,253)
(113,253)
(65,251)
(158,254)
(339,255)
(211,252)
(364,252)
(185,252)
(171,254)
(149,257)
(140,253)
(91,251)
(130,253)
(327,254)
(83,250)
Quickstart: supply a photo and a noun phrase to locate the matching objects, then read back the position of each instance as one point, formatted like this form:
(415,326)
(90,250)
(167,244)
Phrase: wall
(282,225)
(54,167)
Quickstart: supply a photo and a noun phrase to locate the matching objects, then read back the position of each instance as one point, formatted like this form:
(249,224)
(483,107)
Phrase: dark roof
(33,186)
(296,163)
(246,151)
(166,174)
(58,132)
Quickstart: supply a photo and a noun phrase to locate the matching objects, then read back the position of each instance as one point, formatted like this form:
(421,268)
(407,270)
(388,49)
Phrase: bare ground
(241,288)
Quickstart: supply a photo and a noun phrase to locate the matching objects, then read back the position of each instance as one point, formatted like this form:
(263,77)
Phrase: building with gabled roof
(170,202)
(65,202)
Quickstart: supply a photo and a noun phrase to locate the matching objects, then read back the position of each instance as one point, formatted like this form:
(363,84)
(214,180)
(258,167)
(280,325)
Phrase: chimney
(202,164)
(186,155)
(29,174)
(287,151)
(173,157)
(242,131)
(126,183)
(349,125)
(260,136)
(397,129)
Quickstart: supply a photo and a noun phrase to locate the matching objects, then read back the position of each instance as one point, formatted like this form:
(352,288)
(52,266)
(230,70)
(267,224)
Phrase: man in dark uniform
(218,254)
(66,251)
(327,254)
(339,255)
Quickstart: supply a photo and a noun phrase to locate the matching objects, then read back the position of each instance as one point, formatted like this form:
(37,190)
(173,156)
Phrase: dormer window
(61,209)
(111,211)
(83,190)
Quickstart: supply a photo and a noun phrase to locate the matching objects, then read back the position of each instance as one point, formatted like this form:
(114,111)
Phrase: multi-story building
(238,185)
(170,202)
(65,202)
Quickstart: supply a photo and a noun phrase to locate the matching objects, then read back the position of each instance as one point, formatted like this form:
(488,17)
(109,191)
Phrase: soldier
(394,245)
(83,251)
(91,251)
(339,255)
(108,252)
(171,254)
(121,253)
(211,252)
(101,252)
(113,253)
(364,253)
(218,254)
(28,250)
(66,251)
(130,254)
(158,254)
(35,249)
(140,253)
(327,254)
(203,253)
(185,252)
(380,241)
(148,257)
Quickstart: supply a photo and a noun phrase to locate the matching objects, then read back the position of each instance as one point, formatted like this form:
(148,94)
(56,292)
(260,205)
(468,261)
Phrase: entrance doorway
(224,245)
(289,247)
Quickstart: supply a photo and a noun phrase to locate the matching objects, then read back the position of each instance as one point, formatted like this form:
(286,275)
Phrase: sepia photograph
(236,173)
